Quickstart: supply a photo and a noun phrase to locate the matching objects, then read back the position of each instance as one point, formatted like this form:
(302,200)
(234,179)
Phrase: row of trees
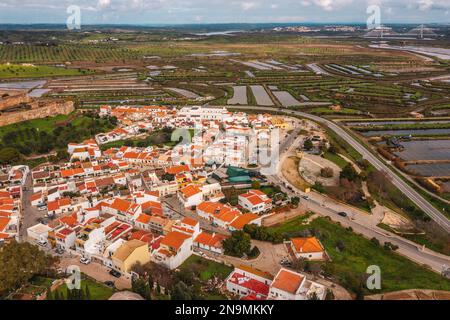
(20,262)
(74,294)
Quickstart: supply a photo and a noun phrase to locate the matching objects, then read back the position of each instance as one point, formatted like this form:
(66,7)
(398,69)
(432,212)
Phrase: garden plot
(446,186)
(250,74)
(317,70)
(383,123)
(286,99)
(406,132)
(216,54)
(240,95)
(261,96)
(281,65)
(185,93)
(342,69)
(258,65)
(425,150)
(431,170)
(363,70)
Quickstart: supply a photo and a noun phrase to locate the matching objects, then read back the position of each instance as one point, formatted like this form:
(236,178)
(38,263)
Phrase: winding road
(406,189)
(360,222)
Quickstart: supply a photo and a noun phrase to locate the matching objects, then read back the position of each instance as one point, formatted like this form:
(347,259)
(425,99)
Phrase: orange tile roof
(256,272)
(3,223)
(52,205)
(287,281)
(174,239)
(189,221)
(69,220)
(307,245)
(37,195)
(64,202)
(210,240)
(242,220)
(143,218)
(121,205)
(177,169)
(219,211)
(190,191)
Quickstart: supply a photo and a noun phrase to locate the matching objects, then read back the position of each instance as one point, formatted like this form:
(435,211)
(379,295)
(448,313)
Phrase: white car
(42,208)
(84,260)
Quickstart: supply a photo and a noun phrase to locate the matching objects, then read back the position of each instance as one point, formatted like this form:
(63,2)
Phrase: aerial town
(225,162)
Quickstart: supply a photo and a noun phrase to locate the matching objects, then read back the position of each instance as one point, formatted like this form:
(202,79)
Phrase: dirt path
(415,294)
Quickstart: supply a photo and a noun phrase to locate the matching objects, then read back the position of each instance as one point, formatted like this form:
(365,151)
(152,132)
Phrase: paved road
(172,205)
(361,222)
(97,271)
(407,190)
(30,215)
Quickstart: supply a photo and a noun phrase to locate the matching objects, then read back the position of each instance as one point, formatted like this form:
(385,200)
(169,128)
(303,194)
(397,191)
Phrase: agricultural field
(358,253)
(32,71)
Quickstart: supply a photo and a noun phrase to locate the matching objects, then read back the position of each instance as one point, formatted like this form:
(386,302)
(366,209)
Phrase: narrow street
(30,215)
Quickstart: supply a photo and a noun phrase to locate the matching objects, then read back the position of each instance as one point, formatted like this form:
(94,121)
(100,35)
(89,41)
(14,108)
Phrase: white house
(308,248)
(38,232)
(190,196)
(110,250)
(65,238)
(174,249)
(255,201)
(290,285)
(218,213)
(210,242)
(188,226)
(249,283)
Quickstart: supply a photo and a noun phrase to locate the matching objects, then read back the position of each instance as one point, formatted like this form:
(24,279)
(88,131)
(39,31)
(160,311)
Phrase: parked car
(115,273)
(342,214)
(42,243)
(43,208)
(85,260)
(109,284)
(305,197)
(59,251)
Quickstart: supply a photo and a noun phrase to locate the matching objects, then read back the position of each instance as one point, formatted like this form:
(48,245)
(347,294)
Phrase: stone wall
(40,109)
(13,99)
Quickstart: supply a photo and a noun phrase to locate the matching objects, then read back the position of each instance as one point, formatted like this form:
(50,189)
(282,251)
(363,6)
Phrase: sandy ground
(396,221)
(412,295)
(310,167)
(289,170)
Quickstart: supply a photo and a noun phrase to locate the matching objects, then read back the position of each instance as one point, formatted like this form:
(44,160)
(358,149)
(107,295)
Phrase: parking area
(96,271)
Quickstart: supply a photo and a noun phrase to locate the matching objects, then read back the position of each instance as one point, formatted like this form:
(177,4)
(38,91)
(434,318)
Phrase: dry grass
(289,170)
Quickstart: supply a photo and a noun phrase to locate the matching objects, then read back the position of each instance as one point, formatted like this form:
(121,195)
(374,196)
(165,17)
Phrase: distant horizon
(219,23)
(194,12)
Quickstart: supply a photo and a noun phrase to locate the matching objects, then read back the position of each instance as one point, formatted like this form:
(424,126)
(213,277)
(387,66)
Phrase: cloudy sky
(222,11)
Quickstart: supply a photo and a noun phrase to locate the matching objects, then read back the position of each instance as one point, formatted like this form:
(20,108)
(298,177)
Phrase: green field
(97,290)
(206,269)
(340,162)
(44,124)
(20,71)
(348,266)
(40,136)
